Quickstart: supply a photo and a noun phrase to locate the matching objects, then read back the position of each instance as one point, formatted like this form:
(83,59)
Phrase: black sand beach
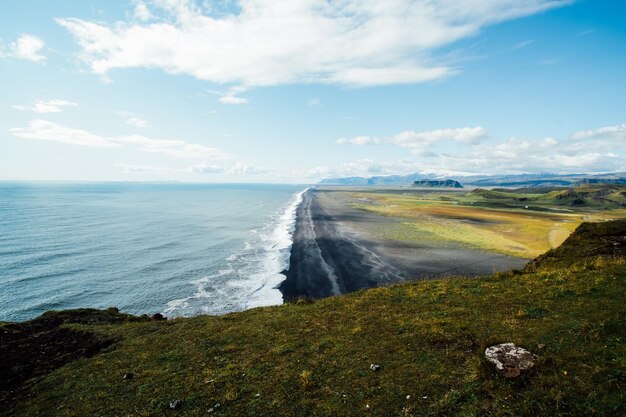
(333,253)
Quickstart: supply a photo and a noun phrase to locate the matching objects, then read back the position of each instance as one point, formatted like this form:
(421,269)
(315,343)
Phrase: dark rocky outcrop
(37,347)
(437,184)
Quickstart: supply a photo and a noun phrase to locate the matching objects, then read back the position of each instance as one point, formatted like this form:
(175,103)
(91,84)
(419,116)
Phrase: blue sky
(274,91)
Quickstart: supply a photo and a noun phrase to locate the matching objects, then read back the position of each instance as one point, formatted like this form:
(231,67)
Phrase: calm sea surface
(178,249)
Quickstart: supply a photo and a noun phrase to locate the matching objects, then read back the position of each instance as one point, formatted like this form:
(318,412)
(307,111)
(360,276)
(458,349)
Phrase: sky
(276,91)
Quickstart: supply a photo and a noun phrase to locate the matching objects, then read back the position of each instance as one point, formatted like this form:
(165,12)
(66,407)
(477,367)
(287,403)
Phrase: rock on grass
(510,360)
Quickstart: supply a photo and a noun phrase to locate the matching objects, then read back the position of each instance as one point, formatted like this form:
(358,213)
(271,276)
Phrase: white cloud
(206,168)
(26,47)
(232,99)
(579,161)
(531,155)
(514,155)
(142,12)
(522,44)
(358,168)
(548,143)
(174,148)
(44,130)
(46,106)
(360,141)
(420,143)
(464,135)
(132,119)
(595,150)
(474,163)
(314,102)
(145,169)
(271,42)
(364,166)
(232,95)
(137,122)
(246,169)
(366,77)
(618,131)
(239,168)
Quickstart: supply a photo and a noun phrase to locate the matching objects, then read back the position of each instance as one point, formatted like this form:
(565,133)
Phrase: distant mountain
(344,181)
(379,180)
(505,180)
(437,184)
(586,181)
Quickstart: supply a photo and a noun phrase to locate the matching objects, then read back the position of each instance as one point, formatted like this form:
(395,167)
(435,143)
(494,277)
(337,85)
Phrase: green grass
(312,358)
(599,196)
(507,222)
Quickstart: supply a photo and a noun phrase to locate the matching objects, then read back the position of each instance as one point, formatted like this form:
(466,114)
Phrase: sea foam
(253,273)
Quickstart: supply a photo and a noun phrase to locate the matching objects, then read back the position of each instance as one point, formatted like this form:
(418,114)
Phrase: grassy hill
(313,358)
(599,196)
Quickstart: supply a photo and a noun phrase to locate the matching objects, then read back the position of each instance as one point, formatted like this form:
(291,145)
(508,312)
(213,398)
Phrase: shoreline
(332,253)
(325,262)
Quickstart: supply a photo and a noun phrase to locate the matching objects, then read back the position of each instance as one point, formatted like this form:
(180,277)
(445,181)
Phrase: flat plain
(520,223)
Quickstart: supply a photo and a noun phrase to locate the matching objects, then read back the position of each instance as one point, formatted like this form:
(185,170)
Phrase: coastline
(254,270)
(332,252)
(326,262)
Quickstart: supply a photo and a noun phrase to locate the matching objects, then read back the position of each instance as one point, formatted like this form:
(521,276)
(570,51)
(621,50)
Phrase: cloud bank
(420,143)
(594,150)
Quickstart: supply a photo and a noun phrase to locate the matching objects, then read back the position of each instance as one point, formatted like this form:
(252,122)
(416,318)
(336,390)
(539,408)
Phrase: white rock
(510,360)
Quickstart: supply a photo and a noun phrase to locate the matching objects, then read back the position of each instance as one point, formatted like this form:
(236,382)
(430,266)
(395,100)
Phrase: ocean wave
(251,275)
(278,239)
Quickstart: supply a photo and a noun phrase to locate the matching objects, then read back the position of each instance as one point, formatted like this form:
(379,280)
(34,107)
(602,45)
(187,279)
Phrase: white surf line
(264,292)
(282,235)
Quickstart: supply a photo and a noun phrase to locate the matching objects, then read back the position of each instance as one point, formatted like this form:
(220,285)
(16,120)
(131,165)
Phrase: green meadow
(524,223)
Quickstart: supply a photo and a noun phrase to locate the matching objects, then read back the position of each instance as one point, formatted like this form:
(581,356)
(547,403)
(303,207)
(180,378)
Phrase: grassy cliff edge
(312,358)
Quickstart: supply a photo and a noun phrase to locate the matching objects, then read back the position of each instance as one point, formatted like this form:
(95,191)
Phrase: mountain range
(495,180)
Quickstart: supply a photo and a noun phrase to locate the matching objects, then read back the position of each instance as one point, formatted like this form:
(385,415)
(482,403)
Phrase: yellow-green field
(452,218)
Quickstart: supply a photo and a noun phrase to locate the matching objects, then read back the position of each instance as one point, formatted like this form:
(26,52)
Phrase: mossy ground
(312,358)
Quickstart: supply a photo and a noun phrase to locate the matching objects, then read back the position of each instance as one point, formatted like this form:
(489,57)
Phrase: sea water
(177,249)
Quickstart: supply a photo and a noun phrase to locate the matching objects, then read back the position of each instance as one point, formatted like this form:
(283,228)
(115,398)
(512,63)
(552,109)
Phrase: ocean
(176,249)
